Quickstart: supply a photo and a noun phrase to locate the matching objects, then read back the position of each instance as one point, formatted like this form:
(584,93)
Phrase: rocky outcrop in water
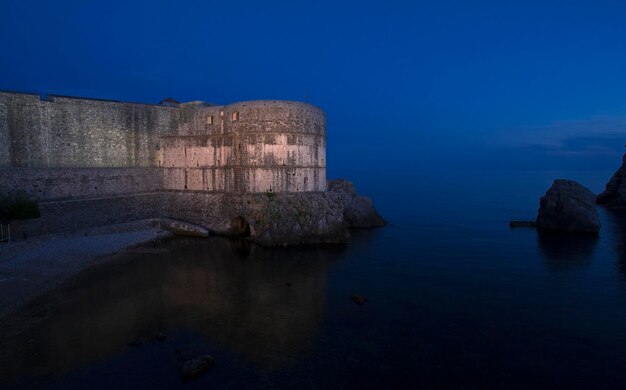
(568,206)
(358,210)
(277,219)
(195,367)
(614,195)
(298,219)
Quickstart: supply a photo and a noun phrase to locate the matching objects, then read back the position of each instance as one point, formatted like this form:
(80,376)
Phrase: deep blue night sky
(512,85)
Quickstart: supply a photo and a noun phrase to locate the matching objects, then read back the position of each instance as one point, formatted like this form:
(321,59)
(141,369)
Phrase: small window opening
(209,120)
(234,116)
(221,113)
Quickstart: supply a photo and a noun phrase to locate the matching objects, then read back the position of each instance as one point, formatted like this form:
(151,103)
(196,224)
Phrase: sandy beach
(29,268)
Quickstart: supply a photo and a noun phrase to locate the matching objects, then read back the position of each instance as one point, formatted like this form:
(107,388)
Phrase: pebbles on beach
(29,268)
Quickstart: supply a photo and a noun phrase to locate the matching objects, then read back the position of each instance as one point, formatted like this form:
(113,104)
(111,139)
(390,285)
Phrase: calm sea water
(455,299)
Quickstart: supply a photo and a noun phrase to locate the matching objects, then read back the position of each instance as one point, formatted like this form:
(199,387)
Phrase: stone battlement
(254,168)
(253,146)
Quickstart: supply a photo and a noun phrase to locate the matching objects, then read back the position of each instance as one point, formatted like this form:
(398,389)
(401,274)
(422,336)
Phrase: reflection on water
(617,220)
(455,300)
(265,305)
(562,250)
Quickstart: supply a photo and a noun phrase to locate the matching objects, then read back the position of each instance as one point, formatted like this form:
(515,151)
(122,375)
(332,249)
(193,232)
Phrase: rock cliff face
(277,219)
(288,219)
(614,195)
(299,219)
(358,210)
(568,206)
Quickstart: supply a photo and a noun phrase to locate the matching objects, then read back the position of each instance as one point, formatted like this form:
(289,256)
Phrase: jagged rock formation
(614,195)
(300,219)
(358,210)
(277,219)
(568,206)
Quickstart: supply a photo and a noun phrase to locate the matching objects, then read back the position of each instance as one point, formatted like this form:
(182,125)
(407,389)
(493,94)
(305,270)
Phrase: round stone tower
(254,146)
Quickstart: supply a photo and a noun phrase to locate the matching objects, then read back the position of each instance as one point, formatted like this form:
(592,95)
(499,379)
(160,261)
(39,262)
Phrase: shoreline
(33,267)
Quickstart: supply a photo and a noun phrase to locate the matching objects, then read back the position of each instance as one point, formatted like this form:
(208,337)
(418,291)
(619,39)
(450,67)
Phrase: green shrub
(270,195)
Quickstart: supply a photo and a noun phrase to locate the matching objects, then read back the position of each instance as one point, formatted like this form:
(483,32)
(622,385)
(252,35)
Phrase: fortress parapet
(255,168)
(254,146)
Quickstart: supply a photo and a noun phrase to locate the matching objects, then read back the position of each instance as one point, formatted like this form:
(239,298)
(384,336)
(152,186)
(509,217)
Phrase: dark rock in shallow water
(195,367)
(358,299)
(570,207)
(135,343)
(614,195)
(522,224)
(358,210)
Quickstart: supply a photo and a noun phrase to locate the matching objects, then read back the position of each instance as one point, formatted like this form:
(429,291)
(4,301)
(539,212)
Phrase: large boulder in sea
(358,210)
(570,207)
(614,195)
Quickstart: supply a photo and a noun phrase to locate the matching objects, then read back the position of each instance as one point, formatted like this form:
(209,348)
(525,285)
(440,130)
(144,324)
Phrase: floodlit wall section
(79,133)
(256,146)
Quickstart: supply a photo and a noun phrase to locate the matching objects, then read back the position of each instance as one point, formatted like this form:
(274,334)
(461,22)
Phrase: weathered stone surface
(271,219)
(80,183)
(71,215)
(358,210)
(255,168)
(299,219)
(568,206)
(252,146)
(182,228)
(614,195)
(195,367)
(61,131)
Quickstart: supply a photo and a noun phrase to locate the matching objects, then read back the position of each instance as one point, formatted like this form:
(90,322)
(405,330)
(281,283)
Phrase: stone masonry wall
(255,146)
(73,215)
(76,132)
(67,183)
(95,162)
